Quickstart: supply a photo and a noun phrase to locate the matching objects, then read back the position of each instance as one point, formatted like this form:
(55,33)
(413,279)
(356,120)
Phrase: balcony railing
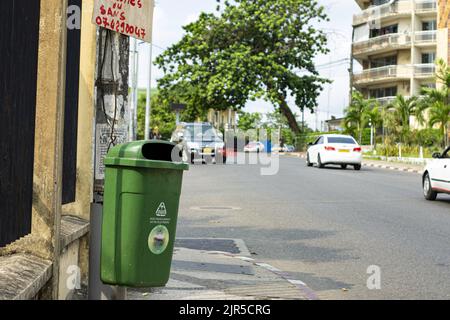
(382,11)
(393,40)
(376,74)
(426,6)
(426,70)
(425,37)
(395,71)
(385,100)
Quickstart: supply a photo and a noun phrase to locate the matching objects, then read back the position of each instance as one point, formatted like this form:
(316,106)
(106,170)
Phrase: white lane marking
(297,282)
(245,258)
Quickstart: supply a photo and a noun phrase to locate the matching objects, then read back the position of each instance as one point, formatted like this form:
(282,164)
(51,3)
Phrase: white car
(254,146)
(436,176)
(334,149)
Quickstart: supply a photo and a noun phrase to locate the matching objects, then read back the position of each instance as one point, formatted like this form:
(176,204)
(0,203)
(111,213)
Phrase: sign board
(133,18)
(103,143)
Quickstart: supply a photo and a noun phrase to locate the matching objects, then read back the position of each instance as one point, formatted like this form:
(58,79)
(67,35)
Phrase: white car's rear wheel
(308,162)
(319,162)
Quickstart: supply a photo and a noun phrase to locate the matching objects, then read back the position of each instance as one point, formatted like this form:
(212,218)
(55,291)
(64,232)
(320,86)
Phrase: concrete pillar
(443,40)
(111,123)
(48,151)
(86,115)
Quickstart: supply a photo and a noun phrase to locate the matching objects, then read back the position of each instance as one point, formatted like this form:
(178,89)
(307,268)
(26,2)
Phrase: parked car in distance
(285,148)
(277,148)
(289,148)
(200,141)
(254,146)
(334,149)
(436,176)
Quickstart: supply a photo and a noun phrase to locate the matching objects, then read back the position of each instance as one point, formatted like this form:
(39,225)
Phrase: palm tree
(402,110)
(443,73)
(356,114)
(439,114)
(437,101)
(374,116)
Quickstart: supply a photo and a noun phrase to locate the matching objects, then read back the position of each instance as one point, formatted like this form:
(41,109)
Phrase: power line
(331,63)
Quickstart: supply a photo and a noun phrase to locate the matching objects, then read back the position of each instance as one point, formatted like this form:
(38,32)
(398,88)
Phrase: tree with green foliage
(250,49)
(402,110)
(162,118)
(356,118)
(374,117)
(436,101)
(248,121)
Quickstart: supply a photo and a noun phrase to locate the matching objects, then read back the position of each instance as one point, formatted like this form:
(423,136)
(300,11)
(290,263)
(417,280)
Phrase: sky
(171,15)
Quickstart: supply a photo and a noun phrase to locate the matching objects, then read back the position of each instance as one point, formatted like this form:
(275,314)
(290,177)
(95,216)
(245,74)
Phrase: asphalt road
(327,226)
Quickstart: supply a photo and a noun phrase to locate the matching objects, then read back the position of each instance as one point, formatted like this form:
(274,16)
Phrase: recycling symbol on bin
(162,211)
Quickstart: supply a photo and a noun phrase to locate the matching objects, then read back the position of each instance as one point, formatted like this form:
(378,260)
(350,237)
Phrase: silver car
(200,142)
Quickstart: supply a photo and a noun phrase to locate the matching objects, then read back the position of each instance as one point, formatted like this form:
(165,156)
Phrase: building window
(385,30)
(379,2)
(429,57)
(429,25)
(382,62)
(383,92)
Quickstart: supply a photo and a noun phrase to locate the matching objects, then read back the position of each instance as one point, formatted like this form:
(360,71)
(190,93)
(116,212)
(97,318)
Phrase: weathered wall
(47,190)
(49,124)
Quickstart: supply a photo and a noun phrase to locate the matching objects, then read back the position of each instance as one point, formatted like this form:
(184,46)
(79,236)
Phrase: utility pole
(350,70)
(111,128)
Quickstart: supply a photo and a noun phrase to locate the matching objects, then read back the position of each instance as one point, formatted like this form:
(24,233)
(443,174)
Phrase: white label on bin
(162,211)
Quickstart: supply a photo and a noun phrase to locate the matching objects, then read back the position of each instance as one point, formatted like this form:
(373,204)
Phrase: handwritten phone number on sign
(123,16)
(120,26)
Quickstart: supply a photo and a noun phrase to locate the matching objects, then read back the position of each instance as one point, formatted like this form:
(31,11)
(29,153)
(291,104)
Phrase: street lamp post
(134,90)
(149,96)
(148,105)
(371,134)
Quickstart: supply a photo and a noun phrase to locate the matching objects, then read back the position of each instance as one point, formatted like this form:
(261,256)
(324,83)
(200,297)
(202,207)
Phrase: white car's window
(345,140)
(320,141)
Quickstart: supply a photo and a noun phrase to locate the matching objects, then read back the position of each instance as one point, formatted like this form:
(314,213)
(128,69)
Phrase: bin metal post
(98,290)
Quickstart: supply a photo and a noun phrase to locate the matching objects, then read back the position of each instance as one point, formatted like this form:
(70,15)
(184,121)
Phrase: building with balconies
(396,43)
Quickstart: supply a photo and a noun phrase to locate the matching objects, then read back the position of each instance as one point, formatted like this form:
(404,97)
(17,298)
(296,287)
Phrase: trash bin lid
(155,154)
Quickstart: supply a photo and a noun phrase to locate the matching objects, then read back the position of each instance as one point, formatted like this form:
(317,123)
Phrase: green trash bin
(141,199)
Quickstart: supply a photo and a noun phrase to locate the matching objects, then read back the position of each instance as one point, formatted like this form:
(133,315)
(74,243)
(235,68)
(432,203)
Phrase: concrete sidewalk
(215,275)
(208,274)
(396,166)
